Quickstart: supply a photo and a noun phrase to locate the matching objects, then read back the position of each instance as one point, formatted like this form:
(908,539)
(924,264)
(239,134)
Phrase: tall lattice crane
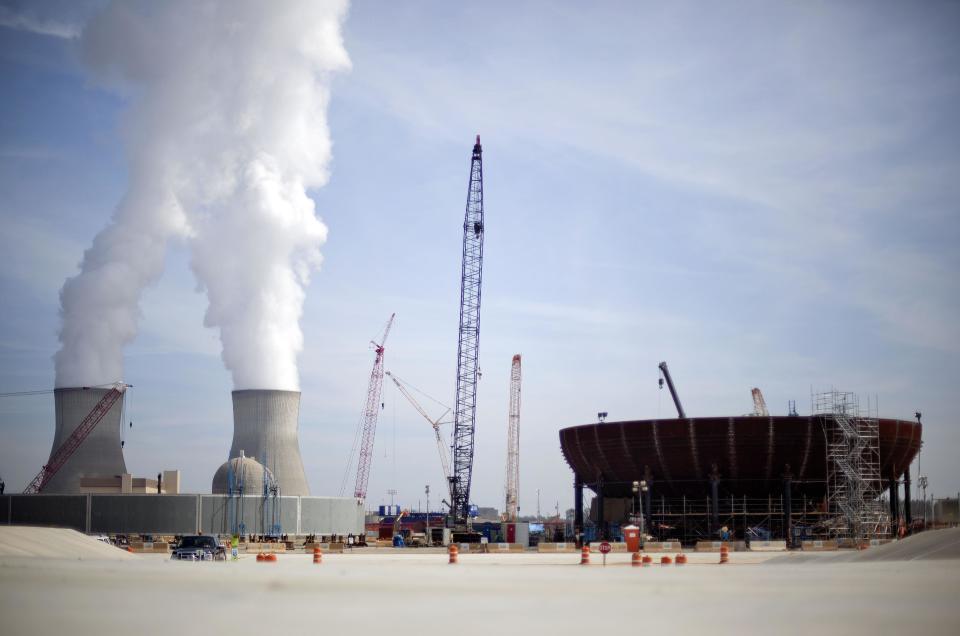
(465,404)
(434,423)
(759,404)
(72,443)
(512,503)
(370,413)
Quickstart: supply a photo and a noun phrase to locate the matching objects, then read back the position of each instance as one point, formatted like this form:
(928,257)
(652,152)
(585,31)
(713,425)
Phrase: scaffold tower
(854,485)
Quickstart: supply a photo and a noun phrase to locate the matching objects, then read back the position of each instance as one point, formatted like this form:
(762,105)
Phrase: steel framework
(512,499)
(370,412)
(72,443)
(854,485)
(465,404)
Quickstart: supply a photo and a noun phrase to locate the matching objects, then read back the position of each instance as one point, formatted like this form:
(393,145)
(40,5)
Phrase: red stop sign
(605,547)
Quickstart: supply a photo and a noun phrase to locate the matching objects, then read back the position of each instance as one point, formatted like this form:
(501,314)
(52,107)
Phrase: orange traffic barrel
(647,560)
(666,560)
(454,553)
(681,559)
(260,556)
(317,555)
(724,554)
(635,559)
(585,555)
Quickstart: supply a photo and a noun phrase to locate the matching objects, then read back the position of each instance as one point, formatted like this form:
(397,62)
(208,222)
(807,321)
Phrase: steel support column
(894,489)
(578,508)
(907,512)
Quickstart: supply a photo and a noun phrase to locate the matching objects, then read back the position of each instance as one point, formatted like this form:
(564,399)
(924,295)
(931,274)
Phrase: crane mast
(759,404)
(512,503)
(465,404)
(673,389)
(370,413)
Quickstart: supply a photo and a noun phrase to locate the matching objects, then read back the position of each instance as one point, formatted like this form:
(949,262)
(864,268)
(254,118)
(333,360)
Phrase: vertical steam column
(265,425)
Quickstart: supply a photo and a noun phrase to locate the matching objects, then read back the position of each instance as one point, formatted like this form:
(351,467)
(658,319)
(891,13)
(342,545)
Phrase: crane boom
(673,390)
(759,404)
(370,413)
(72,443)
(465,404)
(434,423)
(512,503)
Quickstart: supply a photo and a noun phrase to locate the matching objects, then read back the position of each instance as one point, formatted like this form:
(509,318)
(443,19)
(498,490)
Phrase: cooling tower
(100,453)
(265,424)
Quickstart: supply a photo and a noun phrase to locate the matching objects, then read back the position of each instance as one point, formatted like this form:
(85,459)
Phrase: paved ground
(413,593)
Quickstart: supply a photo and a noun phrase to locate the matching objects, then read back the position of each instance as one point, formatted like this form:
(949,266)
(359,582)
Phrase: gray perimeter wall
(184,514)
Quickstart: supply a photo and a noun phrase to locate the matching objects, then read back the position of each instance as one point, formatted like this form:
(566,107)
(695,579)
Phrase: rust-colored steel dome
(751,454)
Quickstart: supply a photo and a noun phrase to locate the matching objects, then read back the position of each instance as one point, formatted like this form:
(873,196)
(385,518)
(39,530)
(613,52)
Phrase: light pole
(640,487)
(426,490)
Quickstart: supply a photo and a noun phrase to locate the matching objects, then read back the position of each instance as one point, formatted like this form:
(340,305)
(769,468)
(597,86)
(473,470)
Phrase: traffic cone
(317,555)
(635,559)
(647,560)
(681,559)
(666,560)
(585,554)
(454,553)
(724,554)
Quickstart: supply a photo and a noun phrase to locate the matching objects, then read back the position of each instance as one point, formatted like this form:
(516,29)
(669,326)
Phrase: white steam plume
(226,131)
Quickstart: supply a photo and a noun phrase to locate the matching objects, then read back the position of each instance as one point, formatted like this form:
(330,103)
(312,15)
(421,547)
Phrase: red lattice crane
(512,507)
(370,413)
(72,443)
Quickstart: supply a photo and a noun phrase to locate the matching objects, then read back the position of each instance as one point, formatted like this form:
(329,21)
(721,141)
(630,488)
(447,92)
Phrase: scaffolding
(854,485)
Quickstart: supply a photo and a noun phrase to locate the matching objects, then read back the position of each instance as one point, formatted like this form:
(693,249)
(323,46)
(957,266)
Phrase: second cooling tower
(265,426)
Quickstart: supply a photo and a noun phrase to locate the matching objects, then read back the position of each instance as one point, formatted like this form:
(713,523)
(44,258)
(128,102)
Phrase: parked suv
(199,547)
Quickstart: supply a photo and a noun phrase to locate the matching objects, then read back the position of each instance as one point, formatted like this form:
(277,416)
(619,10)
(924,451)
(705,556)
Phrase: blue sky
(762,194)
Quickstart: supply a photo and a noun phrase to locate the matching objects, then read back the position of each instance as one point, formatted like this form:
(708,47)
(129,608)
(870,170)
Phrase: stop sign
(605,547)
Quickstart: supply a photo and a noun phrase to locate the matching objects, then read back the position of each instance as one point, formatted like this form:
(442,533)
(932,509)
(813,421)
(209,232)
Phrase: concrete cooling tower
(265,428)
(100,453)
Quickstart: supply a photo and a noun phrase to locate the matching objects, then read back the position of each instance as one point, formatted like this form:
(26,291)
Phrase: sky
(760,193)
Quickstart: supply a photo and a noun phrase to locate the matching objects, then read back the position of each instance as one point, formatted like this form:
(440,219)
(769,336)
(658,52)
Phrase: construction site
(708,493)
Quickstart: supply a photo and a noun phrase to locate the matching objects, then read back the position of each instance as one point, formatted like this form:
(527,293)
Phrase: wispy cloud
(26,20)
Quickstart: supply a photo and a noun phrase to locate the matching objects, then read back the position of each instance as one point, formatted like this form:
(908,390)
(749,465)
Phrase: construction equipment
(434,423)
(665,373)
(759,404)
(465,404)
(512,503)
(72,443)
(370,413)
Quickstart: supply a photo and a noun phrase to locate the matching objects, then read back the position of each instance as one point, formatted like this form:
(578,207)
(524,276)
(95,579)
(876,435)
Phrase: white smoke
(226,131)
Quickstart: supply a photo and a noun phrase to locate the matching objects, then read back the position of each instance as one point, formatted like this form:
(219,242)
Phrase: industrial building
(788,477)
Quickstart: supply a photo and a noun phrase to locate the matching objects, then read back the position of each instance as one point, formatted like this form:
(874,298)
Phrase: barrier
(504,548)
(334,548)
(661,546)
(768,546)
(556,547)
(819,546)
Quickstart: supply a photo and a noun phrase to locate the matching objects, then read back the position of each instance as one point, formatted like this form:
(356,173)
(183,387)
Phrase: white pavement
(411,592)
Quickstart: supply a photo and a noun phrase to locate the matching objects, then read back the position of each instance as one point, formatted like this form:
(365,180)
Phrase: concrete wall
(165,514)
(182,514)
